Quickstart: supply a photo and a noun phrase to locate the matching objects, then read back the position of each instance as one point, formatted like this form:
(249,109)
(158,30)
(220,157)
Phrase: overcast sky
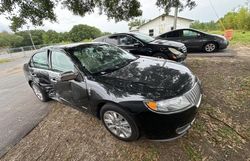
(202,12)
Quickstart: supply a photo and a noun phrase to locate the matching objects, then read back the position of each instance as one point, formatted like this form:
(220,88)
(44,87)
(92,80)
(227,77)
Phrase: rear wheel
(40,94)
(210,47)
(119,123)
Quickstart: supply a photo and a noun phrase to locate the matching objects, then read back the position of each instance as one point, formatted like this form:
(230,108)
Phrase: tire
(40,94)
(129,131)
(160,55)
(210,47)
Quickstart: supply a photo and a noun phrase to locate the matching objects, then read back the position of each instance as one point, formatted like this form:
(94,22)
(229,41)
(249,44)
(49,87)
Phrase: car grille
(184,49)
(194,94)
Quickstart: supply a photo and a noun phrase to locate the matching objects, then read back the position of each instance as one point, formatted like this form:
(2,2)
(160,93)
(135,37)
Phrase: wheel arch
(30,81)
(100,105)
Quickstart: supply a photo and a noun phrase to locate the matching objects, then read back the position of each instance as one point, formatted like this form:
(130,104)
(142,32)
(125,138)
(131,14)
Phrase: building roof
(168,16)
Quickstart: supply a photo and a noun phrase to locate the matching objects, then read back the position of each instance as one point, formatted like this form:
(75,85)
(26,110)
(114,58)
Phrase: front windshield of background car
(98,58)
(144,37)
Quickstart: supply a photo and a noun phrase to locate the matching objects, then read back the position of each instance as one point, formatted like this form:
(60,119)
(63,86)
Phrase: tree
(81,32)
(37,36)
(20,12)
(135,22)
(239,20)
(51,37)
(9,40)
(106,33)
(205,26)
(181,4)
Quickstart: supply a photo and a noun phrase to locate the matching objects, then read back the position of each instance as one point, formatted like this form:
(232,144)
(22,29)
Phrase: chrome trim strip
(171,139)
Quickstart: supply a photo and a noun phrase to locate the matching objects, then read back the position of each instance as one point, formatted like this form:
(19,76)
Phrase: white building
(162,24)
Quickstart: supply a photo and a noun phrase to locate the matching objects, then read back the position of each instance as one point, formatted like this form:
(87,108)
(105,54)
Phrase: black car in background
(196,40)
(133,95)
(140,44)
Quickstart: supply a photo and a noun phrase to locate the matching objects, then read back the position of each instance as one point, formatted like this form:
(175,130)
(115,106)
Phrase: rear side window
(40,60)
(112,40)
(189,33)
(127,40)
(61,62)
(173,34)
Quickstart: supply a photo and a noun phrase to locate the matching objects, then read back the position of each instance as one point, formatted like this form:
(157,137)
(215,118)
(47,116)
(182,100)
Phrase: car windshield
(101,58)
(143,37)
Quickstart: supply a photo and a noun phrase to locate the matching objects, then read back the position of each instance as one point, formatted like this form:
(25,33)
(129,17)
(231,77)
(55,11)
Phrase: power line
(217,14)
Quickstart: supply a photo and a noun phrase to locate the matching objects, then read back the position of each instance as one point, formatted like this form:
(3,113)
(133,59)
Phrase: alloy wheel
(37,92)
(117,124)
(210,47)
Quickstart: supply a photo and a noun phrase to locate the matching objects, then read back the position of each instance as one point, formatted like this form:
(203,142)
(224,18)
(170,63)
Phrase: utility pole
(249,5)
(31,38)
(175,17)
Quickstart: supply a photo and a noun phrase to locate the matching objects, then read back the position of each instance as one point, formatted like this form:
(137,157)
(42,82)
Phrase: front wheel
(119,123)
(210,47)
(40,94)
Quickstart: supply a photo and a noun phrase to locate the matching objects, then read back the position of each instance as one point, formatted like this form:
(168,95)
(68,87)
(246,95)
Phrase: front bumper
(161,126)
(165,127)
(224,44)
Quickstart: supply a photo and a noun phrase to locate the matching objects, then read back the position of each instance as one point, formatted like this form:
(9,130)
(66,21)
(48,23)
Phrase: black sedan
(196,40)
(140,44)
(133,95)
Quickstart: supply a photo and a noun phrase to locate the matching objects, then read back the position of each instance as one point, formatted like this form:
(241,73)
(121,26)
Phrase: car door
(131,44)
(39,70)
(73,92)
(192,39)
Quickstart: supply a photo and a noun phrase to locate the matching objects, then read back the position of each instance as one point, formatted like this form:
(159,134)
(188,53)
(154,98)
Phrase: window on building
(163,18)
(151,32)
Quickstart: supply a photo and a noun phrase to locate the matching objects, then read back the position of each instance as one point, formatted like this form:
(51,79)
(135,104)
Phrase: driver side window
(61,62)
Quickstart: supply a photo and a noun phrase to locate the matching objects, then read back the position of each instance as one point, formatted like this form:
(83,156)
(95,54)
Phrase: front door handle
(33,74)
(53,80)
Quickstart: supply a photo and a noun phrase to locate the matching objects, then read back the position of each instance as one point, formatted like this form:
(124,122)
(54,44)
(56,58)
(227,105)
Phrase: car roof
(68,46)
(115,34)
(183,29)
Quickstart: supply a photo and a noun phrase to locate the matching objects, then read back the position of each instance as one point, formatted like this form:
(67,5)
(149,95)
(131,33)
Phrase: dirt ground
(221,131)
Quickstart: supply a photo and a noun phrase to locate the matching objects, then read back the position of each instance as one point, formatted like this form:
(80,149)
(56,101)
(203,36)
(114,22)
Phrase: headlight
(175,52)
(169,105)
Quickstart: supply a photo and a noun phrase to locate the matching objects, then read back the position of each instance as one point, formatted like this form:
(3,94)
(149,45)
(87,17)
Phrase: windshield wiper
(116,67)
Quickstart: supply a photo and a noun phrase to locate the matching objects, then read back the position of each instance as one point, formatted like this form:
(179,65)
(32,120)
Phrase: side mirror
(137,44)
(69,75)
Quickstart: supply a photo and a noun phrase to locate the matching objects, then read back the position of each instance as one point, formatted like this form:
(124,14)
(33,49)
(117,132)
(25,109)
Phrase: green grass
(192,153)
(4,60)
(239,37)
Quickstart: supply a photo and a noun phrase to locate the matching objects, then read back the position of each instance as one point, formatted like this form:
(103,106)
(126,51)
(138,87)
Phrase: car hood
(219,36)
(167,43)
(148,78)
